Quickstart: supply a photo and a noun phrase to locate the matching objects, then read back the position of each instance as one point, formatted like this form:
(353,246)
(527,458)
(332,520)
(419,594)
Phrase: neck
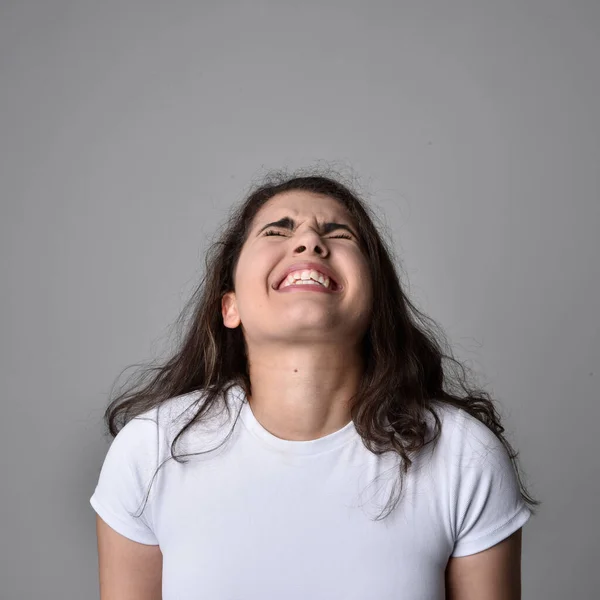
(303,393)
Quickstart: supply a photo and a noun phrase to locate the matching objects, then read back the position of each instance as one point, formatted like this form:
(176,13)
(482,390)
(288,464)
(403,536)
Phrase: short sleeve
(488,504)
(124,480)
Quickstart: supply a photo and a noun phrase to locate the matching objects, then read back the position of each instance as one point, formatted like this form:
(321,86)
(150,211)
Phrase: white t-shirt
(263,518)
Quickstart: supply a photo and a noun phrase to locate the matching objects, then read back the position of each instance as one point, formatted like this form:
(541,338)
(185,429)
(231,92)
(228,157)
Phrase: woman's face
(270,314)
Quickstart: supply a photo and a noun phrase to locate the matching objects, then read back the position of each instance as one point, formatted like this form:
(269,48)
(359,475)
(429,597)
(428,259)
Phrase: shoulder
(161,424)
(465,436)
(140,441)
(469,455)
(479,482)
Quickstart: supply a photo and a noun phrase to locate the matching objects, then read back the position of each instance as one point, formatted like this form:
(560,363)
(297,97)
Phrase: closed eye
(341,235)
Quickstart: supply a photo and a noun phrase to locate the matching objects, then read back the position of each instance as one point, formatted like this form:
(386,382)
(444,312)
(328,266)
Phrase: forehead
(303,205)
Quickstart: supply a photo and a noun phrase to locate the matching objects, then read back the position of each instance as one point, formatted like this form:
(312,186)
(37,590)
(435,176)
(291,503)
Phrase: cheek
(252,273)
(246,284)
(358,264)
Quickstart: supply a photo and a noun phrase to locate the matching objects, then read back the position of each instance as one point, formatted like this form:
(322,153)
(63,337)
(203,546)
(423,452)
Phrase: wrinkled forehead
(301,206)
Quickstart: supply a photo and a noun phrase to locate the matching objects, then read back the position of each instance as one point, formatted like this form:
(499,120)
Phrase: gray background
(127,129)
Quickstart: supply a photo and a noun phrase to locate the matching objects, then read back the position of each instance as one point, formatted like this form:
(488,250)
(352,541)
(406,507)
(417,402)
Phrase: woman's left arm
(494,574)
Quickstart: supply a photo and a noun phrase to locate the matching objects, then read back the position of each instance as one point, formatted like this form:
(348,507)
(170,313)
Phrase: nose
(311,242)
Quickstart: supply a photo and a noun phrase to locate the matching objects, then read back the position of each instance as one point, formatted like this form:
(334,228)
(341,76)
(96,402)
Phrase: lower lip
(306,287)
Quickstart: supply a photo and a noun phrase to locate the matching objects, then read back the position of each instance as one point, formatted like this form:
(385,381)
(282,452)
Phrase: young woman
(306,440)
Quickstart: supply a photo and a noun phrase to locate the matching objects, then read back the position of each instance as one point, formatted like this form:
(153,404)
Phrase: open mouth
(309,279)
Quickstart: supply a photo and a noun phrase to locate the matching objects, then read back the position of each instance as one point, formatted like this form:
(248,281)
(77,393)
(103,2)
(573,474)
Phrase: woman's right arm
(128,570)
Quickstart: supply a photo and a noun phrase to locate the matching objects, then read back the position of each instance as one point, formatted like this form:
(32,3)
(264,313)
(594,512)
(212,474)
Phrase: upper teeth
(303,277)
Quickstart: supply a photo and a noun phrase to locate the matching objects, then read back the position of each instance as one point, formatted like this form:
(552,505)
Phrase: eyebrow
(289,223)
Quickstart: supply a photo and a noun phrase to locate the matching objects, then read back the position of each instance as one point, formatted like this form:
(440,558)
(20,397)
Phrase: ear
(231,317)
